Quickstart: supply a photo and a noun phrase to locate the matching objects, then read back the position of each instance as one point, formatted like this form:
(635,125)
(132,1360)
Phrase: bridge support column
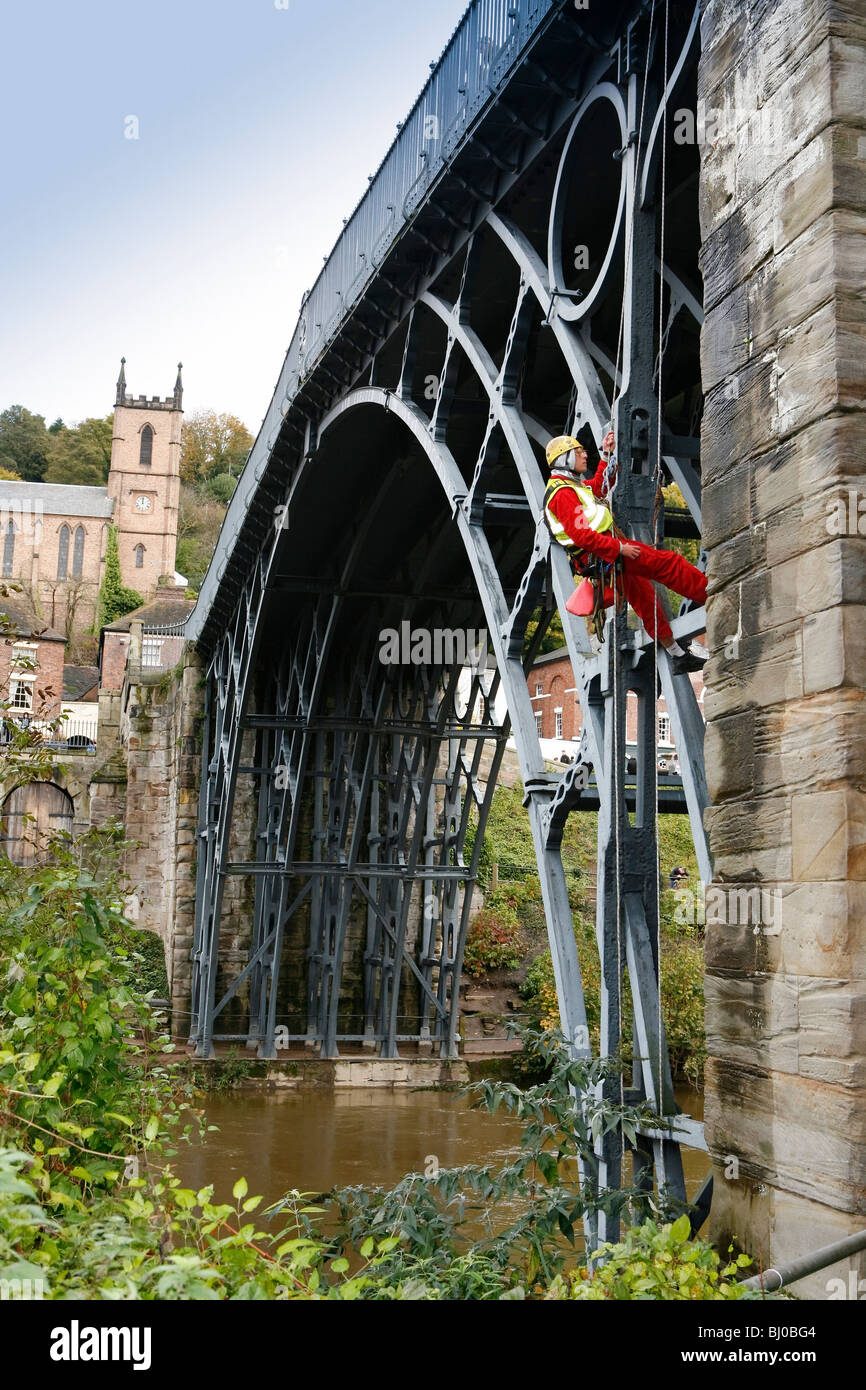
(781,117)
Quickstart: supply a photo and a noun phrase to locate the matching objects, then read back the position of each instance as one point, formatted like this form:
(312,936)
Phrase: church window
(63,553)
(8,549)
(139,557)
(146,452)
(78,553)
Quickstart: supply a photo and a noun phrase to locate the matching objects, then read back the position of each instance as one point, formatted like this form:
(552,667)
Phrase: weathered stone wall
(160,732)
(783,199)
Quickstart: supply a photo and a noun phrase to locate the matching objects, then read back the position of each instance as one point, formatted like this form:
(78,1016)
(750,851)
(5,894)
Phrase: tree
(80,453)
(114,597)
(213,444)
(23,443)
(221,486)
(200,517)
(554,637)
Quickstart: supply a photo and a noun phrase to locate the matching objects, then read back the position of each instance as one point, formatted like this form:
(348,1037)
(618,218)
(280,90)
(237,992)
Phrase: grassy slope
(509,844)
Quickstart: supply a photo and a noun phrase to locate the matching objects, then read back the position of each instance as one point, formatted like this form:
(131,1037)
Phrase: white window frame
(664,728)
(538,719)
(557,722)
(21,684)
(25,652)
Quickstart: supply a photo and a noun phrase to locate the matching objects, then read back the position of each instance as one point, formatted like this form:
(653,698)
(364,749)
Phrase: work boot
(691,660)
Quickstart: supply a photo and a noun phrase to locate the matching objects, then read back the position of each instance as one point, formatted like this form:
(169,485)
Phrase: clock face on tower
(143,504)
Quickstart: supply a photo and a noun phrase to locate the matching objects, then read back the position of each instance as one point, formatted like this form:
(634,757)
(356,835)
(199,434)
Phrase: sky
(174,173)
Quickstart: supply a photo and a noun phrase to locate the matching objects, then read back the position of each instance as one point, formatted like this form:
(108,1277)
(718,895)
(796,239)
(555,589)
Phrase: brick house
(148,637)
(31,663)
(558,715)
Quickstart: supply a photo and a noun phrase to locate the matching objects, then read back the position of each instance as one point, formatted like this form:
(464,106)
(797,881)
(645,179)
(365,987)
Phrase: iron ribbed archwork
(396,487)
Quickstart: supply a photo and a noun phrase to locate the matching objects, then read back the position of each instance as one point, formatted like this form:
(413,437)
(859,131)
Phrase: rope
(629,231)
(657,475)
(617,658)
(610,482)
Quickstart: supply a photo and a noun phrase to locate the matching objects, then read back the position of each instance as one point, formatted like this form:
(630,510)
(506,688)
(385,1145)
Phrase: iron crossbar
(303,870)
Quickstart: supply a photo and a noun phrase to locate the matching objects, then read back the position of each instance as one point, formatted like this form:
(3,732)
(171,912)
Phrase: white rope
(616,655)
(629,231)
(657,476)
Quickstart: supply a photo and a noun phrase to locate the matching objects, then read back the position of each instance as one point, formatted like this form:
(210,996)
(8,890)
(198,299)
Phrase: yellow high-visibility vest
(595,514)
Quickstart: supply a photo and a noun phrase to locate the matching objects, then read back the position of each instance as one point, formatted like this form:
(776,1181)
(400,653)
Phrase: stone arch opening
(33,815)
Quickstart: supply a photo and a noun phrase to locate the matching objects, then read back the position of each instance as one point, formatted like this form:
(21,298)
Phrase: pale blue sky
(258,126)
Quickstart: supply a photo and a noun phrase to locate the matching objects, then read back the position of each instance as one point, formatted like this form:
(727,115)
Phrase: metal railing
(486,45)
(162,646)
(66,735)
(770,1280)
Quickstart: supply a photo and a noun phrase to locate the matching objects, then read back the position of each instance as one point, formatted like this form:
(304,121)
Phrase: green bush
(657,1262)
(115,599)
(682,999)
(221,486)
(148,954)
(494,942)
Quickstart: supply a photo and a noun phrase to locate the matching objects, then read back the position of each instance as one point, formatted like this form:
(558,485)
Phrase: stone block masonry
(783,217)
(160,735)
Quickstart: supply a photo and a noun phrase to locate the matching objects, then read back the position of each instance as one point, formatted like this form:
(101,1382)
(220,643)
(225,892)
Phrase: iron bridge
(471,308)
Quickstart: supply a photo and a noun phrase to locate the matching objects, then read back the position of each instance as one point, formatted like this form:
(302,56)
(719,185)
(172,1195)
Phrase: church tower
(144,483)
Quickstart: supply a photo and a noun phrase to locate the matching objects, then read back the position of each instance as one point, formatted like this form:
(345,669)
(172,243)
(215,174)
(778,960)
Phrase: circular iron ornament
(653,147)
(566,307)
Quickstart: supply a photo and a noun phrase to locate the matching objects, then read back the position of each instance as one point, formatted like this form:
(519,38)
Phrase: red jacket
(569,513)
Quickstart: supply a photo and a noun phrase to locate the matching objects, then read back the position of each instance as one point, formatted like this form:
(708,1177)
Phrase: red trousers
(665,567)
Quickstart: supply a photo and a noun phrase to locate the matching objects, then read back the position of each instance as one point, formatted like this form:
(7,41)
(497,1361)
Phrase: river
(315,1140)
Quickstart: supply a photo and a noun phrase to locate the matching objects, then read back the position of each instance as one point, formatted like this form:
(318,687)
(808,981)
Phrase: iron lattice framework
(397,486)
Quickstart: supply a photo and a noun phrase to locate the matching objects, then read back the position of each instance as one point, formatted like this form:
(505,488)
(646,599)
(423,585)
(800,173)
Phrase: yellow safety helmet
(561,445)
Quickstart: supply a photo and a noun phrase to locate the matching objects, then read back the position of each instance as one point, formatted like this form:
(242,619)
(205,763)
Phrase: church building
(53,536)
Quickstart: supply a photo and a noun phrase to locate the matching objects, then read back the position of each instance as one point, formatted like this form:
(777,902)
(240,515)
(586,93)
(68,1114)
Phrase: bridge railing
(484,48)
(162,646)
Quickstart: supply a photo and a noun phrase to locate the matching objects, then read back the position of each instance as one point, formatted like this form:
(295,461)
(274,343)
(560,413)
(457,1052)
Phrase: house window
(146,451)
(22,694)
(78,553)
(151,649)
(557,718)
(537,690)
(664,728)
(25,655)
(139,557)
(8,549)
(63,553)
(538,722)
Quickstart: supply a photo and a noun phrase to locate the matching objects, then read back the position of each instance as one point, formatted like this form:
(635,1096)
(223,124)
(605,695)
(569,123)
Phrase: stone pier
(783,217)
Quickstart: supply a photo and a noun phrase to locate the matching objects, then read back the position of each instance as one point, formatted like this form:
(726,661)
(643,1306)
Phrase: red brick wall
(48,682)
(556,679)
(114,649)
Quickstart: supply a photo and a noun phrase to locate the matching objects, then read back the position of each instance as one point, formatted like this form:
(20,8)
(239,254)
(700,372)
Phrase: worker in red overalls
(579,520)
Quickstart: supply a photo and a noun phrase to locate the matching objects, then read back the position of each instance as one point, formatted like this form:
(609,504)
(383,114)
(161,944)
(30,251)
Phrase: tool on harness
(594,594)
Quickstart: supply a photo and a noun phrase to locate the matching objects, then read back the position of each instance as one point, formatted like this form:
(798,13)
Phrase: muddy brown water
(314,1140)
